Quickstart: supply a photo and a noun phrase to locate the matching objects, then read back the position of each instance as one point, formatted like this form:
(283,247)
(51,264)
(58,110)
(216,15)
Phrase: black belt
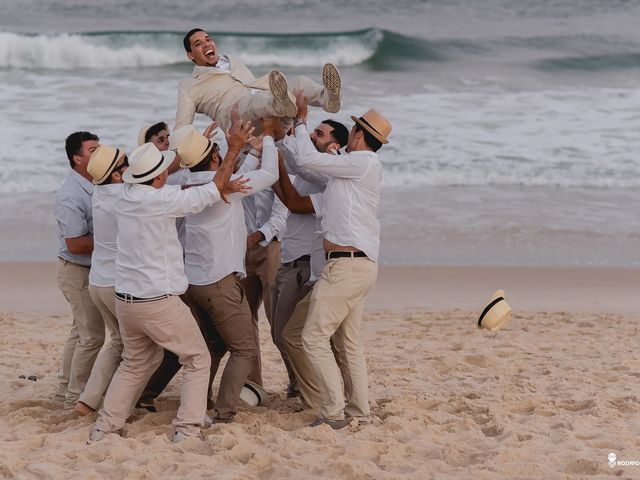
(300,261)
(125,297)
(334,254)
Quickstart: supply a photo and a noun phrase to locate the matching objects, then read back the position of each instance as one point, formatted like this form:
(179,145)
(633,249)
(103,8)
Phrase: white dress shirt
(217,236)
(352,196)
(180,177)
(105,235)
(300,233)
(150,259)
(264,212)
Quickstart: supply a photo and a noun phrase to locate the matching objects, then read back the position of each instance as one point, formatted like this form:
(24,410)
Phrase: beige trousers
(109,357)
(223,310)
(261,265)
(290,286)
(336,307)
(298,359)
(86,336)
(145,327)
(253,104)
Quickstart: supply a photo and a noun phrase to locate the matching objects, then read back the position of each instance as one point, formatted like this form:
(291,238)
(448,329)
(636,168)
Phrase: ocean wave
(157,49)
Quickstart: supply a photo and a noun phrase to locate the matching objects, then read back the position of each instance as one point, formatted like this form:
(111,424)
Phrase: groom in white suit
(219,81)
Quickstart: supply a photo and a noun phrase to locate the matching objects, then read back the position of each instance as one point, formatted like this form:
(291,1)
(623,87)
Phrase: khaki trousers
(261,265)
(298,359)
(290,286)
(145,327)
(86,336)
(224,306)
(261,103)
(109,357)
(335,309)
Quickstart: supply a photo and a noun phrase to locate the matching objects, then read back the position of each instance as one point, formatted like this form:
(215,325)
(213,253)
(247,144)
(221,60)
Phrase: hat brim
(168,156)
(142,134)
(121,155)
(252,394)
(379,137)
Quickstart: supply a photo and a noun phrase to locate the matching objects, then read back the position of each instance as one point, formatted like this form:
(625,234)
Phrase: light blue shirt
(74,215)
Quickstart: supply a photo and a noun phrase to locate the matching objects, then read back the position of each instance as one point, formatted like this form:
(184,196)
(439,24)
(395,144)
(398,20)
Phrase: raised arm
(267,174)
(288,194)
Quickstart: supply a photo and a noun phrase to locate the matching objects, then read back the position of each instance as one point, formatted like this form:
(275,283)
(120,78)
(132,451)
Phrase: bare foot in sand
(83,409)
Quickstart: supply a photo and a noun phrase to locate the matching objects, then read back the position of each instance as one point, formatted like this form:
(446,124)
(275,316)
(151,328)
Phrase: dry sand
(548,396)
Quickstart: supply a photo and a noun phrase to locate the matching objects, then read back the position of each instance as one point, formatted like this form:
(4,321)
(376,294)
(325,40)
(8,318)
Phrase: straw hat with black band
(146,162)
(103,161)
(374,123)
(193,148)
(496,313)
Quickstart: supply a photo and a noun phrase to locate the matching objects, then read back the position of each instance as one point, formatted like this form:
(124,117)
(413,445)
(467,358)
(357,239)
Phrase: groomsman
(74,219)
(351,242)
(149,279)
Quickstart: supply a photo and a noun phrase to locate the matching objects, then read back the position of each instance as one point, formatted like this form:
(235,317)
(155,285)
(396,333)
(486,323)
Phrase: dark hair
(186,41)
(205,163)
(339,133)
(107,180)
(154,130)
(372,142)
(73,144)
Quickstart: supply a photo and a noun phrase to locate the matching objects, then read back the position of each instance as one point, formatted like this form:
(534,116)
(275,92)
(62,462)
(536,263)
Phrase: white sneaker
(284,101)
(332,83)
(96,435)
(207,422)
(179,437)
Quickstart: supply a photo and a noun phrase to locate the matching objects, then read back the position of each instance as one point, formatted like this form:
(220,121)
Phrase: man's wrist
(299,121)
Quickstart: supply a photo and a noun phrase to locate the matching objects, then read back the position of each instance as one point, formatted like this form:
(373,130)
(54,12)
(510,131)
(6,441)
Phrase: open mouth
(210,54)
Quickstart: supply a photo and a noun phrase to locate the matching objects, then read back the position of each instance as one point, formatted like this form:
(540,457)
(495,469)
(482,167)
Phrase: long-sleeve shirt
(217,236)
(150,259)
(352,196)
(105,235)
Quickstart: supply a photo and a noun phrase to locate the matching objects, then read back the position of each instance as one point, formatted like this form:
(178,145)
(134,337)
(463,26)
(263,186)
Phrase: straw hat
(496,313)
(253,394)
(147,162)
(375,124)
(193,148)
(142,134)
(178,134)
(103,161)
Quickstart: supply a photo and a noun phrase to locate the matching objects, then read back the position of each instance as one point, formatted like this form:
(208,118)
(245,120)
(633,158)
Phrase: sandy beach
(548,396)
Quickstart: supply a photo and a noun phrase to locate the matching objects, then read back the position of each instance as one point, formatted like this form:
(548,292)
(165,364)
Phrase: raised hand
(237,185)
(301,103)
(210,131)
(239,134)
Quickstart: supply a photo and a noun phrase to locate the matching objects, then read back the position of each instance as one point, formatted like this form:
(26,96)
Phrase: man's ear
(333,147)
(190,57)
(116,177)
(77,160)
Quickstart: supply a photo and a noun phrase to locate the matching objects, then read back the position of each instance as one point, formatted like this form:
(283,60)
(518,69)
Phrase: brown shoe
(335,424)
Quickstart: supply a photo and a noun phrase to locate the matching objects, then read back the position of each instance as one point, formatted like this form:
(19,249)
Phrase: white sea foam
(123,50)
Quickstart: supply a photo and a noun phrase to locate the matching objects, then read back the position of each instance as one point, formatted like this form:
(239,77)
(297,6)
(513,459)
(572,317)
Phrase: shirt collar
(86,185)
(203,70)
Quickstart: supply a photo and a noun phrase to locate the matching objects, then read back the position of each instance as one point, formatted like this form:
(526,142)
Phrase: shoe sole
(332,84)
(284,99)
